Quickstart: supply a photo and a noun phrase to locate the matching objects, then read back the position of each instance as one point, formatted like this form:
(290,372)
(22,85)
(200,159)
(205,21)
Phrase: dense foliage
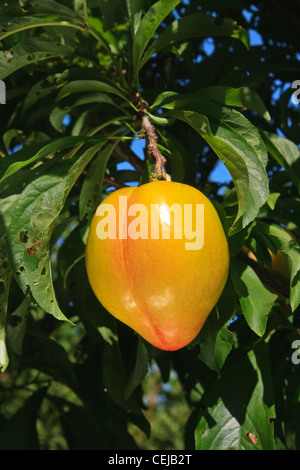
(79,76)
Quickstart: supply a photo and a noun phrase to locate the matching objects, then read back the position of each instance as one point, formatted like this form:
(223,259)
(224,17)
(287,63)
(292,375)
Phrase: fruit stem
(159,172)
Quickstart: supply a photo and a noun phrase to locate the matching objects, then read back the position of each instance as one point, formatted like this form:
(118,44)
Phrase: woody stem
(151,136)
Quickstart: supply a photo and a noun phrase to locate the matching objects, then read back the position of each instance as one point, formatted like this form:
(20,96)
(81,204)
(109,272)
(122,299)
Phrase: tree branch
(160,160)
(123,152)
(113,182)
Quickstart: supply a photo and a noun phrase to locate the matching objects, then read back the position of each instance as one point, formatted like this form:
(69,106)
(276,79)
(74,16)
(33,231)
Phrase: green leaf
(242,97)
(255,299)
(79,86)
(9,26)
(16,328)
(148,25)
(215,347)
(135,10)
(71,251)
(116,383)
(54,82)
(144,354)
(91,192)
(31,51)
(285,152)
(215,339)
(39,151)
(291,250)
(237,410)
(44,354)
(38,7)
(58,113)
(272,199)
(97,321)
(7,206)
(177,156)
(193,26)
(31,227)
(237,143)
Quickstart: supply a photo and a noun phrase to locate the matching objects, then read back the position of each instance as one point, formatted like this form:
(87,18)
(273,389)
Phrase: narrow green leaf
(135,10)
(115,383)
(91,192)
(79,86)
(54,82)
(238,409)
(255,299)
(215,339)
(166,98)
(38,7)
(193,26)
(58,113)
(144,354)
(39,151)
(6,207)
(31,51)
(148,25)
(9,26)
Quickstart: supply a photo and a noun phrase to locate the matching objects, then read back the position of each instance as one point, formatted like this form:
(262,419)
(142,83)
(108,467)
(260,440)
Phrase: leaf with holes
(31,51)
(31,226)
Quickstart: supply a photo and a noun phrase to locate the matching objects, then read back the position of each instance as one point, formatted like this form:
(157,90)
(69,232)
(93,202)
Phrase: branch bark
(160,160)
(123,152)
(113,182)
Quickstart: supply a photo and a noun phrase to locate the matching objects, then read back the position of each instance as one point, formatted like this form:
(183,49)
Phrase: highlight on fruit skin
(163,287)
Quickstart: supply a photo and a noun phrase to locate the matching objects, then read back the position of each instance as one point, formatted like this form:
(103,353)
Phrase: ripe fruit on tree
(160,279)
